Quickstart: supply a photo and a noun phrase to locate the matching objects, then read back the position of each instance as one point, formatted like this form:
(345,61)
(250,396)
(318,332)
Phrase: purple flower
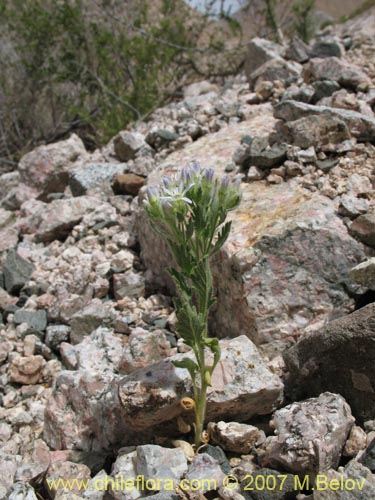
(208,174)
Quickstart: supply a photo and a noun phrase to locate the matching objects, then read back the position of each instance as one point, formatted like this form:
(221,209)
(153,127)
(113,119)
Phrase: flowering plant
(189,212)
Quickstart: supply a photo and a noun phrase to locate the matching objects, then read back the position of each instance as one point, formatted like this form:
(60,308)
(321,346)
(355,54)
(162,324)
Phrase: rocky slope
(87,335)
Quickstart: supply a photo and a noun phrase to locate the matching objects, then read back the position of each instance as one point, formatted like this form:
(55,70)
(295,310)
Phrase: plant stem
(200,413)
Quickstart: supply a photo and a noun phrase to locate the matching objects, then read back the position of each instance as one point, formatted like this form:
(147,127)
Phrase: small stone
(324,88)
(68,356)
(327,48)
(56,334)
(67,471)
(162,463)
(35,320)
(127,184)
(363,228)
(236,437)
(364,273)
(351,206)
(93,175)
(356,442)
(254,174)
(127,144)
(307,155)
(207,471)
(368,457)
(293,168)
(17,271)
(85,321)
(129,284)
(26,370)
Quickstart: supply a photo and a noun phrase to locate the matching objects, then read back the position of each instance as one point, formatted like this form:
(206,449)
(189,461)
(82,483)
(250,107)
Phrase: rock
(242,386)
(351,206)
(206,472)
(337,70)
(100,352)
(368,457)
(259,52)
(281,487)
(127,144)
(26,370)
(355,483)
(318,131)
(66,471)
(46,168)
(8,468)
(298,51)
(356,442)
(232,436)
(21,491)
(264,156)
(327,48)
(143,349)
(35,320)
(60,216)
(158,137)
(324,88)
(276,69)
(310,435)
(93,175)
(127,184)
(360,126)
(6,300)
(337,358)
(128,284)
(99,486)
(156,463)
(295,93)
(199,88)
(88,319)
(56,334)
(254,174)
(364,273)
(8,238)
(124,469)
(17,271)
(363,228)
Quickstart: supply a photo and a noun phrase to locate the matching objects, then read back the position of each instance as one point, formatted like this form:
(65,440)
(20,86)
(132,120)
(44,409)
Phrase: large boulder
(360,126)
(310,435)
(259,52)
(337,70)
(46,168)
(94,409)
(338,358)
(288,256)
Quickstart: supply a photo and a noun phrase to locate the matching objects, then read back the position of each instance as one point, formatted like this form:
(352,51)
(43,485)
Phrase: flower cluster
(189,212)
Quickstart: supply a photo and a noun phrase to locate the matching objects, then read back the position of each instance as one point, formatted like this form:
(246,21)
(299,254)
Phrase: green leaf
(213,344)
(189,365)
(222,237)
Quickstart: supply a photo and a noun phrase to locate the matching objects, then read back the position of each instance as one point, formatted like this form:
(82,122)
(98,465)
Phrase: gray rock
(8,468)
(21,491)
(46,168)
(67,471)
(357,484)
(264,156)
(368,457)
(285,485)
(60,216)
(259,52)
(319,131)
(236,437)
(127,144)
(327,48)
(364,273)
(97,488)
(93,175)
(128,284)
(363,228)
(88,319)
(99,352)
(310,435)
(56,334)
(242,386)
(298,51)
(124,469)
(35,320)
(17,272)
(155,462)
(339,70)
(143,349)
(207,471)
(351,206)
(276,69)
(362,127)
(303,94)
(338,358)
(324,88)
(158,138)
